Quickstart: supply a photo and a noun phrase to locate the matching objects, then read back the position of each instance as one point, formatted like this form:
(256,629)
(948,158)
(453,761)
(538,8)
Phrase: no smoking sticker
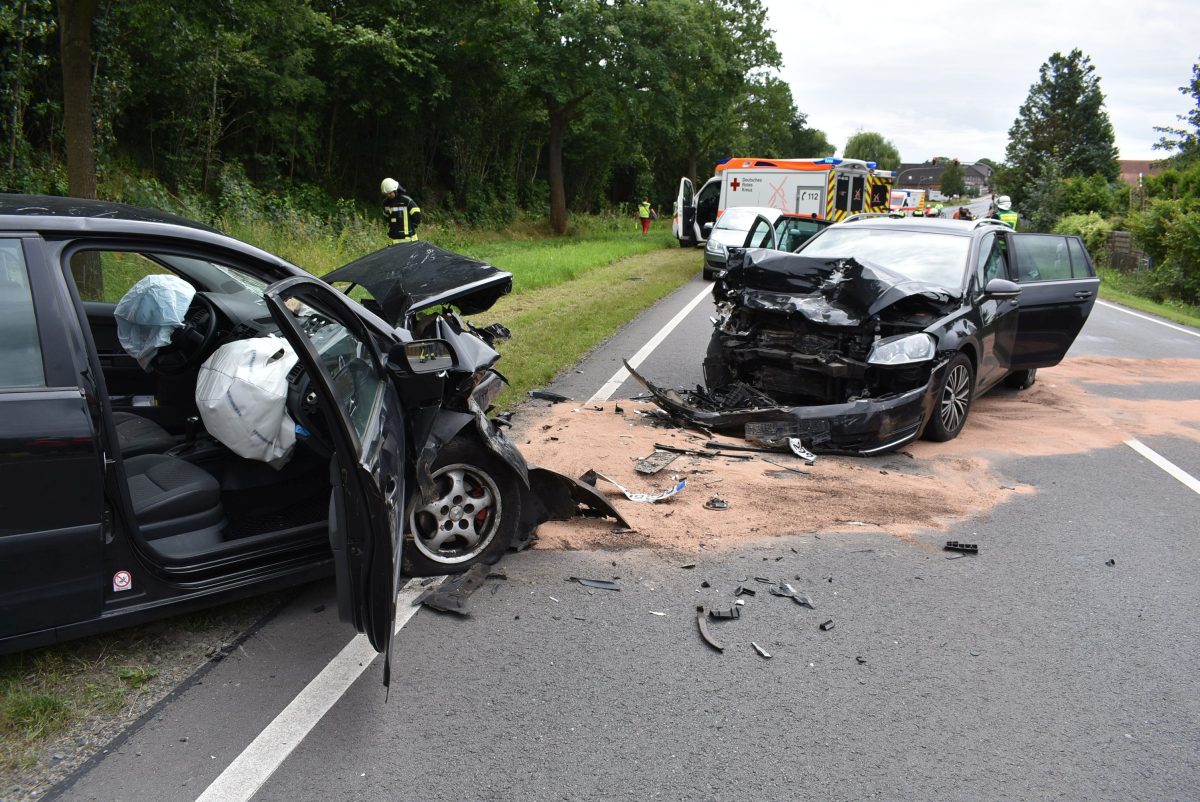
(122,581)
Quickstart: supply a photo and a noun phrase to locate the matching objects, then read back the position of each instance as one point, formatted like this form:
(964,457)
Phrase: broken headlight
(903,350)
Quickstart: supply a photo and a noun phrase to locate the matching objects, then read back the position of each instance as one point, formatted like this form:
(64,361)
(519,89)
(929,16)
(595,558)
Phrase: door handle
(1083,294)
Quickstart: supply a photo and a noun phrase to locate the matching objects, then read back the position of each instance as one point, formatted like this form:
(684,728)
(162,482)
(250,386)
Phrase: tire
(687,243)
(953,400)
(1021,379)
(716,372)
(709,275)
(477,499)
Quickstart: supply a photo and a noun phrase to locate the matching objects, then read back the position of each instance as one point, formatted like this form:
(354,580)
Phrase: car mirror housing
(708,227)
(1002,289)
(422,356)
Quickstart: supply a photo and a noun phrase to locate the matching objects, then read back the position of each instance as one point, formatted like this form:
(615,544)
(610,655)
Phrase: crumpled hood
(832,292)
(411,276)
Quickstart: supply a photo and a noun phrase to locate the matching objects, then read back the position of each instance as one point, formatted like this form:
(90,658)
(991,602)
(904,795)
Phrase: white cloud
(948,79)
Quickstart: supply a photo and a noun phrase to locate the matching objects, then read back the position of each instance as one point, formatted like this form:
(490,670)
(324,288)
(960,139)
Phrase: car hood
(832,292)
(410,276)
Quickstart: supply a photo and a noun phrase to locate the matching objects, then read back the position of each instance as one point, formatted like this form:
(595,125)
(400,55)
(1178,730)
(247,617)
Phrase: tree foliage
(871,146)
(1062,128)
(952,179)
(1184,143)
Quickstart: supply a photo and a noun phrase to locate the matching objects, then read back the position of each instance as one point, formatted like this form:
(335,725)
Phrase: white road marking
(266,753)
(1189,481)
(1151,319)
(609,387)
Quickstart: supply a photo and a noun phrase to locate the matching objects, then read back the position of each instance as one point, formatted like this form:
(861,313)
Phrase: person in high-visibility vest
(1003,211)
(403,213)
(645,212)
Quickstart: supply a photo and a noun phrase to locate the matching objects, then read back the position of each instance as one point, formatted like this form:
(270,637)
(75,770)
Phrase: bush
(1095,194)
(1093,229)
(1169,231)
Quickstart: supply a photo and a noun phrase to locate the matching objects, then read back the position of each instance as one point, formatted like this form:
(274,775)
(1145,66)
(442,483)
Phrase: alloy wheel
(462,518)
(956,395)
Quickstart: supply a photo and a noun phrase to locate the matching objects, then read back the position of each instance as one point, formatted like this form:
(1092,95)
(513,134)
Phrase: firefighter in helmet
(402,212)
(1003,211)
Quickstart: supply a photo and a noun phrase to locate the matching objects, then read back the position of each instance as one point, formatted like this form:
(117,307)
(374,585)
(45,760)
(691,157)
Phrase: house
(1131,169)
(929,176)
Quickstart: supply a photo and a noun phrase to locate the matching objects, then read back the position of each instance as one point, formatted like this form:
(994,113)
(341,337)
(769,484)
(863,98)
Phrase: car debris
(451,595)
(727,615)
(796,446)
(546,395)
(706,584)
(702,625)
(688,566)
(761,651)
(764,580)
(788,468)
(742,590)
(1110,562)
(789,592)
(967,548)
(862,661)
(591,476)
(828,625)
(601,584)
(716,503)
(658,459)
(655,612)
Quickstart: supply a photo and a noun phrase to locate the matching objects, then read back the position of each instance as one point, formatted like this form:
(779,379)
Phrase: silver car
(730,232)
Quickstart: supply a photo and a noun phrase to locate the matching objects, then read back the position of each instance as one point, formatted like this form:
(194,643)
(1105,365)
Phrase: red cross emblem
(735,184)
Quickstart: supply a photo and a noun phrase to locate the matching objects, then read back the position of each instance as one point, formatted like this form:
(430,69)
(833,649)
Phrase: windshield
(739,219)
(927,256)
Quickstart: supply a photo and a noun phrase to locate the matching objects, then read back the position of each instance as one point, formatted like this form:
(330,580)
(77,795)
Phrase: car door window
(991,262)
(1080,267)
(107,275)
(1042,257)
(347,362)
(20,346)
(760,234)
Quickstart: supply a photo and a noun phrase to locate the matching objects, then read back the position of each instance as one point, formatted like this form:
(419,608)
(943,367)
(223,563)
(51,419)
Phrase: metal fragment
(763,652)
(602,584)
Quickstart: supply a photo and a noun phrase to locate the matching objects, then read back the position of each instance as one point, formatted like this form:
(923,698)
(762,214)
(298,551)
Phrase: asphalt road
(1034,670)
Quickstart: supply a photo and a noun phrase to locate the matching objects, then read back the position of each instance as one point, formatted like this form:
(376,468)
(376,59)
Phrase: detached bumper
(864,427)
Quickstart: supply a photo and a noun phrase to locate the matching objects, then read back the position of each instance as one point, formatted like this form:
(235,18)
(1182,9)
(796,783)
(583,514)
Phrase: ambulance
(908,201)
(828,189)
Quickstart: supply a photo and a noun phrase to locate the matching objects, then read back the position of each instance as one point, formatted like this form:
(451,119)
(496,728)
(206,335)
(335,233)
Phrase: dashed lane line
(1189,481)
(612,385)
(242,779)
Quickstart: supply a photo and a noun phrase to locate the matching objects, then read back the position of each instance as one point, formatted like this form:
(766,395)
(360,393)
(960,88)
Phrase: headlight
(902,350)
(715,247)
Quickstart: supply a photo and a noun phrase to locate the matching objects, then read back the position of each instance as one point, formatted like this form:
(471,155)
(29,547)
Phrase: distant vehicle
(730,232)
(829,188)
(908,201)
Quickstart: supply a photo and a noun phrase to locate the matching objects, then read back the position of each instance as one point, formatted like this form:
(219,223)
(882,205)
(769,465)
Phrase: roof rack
(865,215)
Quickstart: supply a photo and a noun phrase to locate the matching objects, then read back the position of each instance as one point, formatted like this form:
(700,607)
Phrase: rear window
(928,256)
(20,346)
(1042,257)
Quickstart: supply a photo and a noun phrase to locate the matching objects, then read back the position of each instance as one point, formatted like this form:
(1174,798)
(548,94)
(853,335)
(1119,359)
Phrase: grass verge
(1123,289)
(554,327)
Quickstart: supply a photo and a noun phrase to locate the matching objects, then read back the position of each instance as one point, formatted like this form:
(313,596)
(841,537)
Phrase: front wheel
(472,517)
(1021,379)
(953,400)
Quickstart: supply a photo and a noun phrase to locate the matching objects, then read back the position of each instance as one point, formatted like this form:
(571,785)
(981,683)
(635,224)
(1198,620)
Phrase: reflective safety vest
(404,215)
(643,210)
(1009,217)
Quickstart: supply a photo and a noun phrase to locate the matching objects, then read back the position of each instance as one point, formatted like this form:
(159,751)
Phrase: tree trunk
(16,124)
(75,40)
(558,191)
(692,160)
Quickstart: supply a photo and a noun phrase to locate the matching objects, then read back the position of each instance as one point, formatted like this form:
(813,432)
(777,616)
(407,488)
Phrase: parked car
(880,329)
(117,507)
(730,232)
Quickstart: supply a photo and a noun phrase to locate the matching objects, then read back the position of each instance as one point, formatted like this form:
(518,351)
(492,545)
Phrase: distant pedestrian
(1003,211)
(645,214)
(403,213)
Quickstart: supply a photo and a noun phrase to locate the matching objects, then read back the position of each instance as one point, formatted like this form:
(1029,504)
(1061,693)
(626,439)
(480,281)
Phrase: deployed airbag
(148,314)
(242,396)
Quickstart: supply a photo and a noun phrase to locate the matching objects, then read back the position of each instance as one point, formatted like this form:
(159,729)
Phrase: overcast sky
(947,79)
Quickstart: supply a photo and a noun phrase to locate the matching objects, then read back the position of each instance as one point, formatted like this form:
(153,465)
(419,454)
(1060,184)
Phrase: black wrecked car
(139,476)
(880,329)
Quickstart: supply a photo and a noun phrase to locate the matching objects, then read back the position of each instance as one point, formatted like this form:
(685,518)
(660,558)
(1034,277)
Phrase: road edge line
(1119,308)
(1189,481)
(251,769)
(613,384)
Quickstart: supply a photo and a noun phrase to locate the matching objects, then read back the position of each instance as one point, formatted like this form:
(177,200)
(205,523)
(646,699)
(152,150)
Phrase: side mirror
(421,356)
(1002,289)
(708,227)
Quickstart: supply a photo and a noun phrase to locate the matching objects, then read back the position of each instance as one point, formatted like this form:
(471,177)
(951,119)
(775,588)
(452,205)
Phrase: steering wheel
(191,342)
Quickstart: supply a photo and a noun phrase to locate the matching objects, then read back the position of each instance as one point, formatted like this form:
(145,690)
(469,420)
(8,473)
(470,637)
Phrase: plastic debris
(797,448)
(787,591)
(828,625)
(591,476)
(742,590)
(705,584)
(762,652)
(702,625)
(967,548)
(546,395)
(687,566)
(451,595)
(602,584)
(862,661)
(788,468)
(716,503)
(1110,562)
(655,612)
(658,459)
(733,612)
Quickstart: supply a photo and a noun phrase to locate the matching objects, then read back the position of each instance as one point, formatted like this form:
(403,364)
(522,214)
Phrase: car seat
(137,435)
(173,499)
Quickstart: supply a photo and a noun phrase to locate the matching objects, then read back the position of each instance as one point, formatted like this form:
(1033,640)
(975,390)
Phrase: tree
(952,179)
(1185,142)
(872,147)
(75,19)
(1063,122)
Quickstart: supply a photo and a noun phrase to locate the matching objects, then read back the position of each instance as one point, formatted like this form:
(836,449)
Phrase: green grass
(554,327)
(1129,290)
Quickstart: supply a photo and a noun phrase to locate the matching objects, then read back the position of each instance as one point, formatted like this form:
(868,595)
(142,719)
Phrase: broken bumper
(863,427)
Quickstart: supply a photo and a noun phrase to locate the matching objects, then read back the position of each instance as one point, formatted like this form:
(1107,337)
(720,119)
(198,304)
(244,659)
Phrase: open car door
(348,375)
(683,223)
(761,234)
(1058,290)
